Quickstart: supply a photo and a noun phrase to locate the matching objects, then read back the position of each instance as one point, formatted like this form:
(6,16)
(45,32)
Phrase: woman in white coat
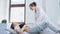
(42,21)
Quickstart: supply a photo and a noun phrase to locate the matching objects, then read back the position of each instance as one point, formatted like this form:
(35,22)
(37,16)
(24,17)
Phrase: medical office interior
(19,11)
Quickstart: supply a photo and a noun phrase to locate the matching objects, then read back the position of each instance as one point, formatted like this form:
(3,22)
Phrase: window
(17,14)
(17,2)
(17,11)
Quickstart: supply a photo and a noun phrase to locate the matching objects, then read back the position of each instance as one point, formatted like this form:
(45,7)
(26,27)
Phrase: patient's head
(32,6)
(14,24)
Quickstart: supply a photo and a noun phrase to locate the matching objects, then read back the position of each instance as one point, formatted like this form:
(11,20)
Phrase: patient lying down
(20,28)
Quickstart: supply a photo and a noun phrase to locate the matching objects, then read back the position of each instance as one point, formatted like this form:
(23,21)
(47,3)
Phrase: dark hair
(33,4)
(4,21)
(12,26)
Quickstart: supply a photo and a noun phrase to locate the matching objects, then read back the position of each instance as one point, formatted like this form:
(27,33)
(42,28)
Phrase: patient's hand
(25,28)
(20,31)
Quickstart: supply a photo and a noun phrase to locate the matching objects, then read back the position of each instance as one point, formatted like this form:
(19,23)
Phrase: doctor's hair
(33,4)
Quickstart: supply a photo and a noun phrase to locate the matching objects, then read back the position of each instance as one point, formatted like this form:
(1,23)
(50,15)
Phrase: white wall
(52,9)
(7,10)
(4,9)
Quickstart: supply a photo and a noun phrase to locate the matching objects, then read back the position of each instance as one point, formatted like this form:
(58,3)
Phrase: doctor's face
(33,7)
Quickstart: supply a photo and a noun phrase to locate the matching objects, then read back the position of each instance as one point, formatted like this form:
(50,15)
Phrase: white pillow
(8,25)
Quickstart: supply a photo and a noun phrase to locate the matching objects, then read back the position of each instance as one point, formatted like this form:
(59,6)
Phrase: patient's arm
(18,29)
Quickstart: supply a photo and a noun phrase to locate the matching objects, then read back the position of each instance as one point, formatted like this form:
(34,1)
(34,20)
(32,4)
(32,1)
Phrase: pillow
(8,25)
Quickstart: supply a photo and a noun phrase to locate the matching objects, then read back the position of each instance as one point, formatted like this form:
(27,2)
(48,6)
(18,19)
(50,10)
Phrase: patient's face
(15,24)
(33,7)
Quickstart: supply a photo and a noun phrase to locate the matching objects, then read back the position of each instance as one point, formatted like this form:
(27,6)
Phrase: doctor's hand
(25,28)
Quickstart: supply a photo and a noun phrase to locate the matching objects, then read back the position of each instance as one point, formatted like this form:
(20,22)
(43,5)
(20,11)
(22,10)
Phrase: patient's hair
(33,4)
(12,26)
